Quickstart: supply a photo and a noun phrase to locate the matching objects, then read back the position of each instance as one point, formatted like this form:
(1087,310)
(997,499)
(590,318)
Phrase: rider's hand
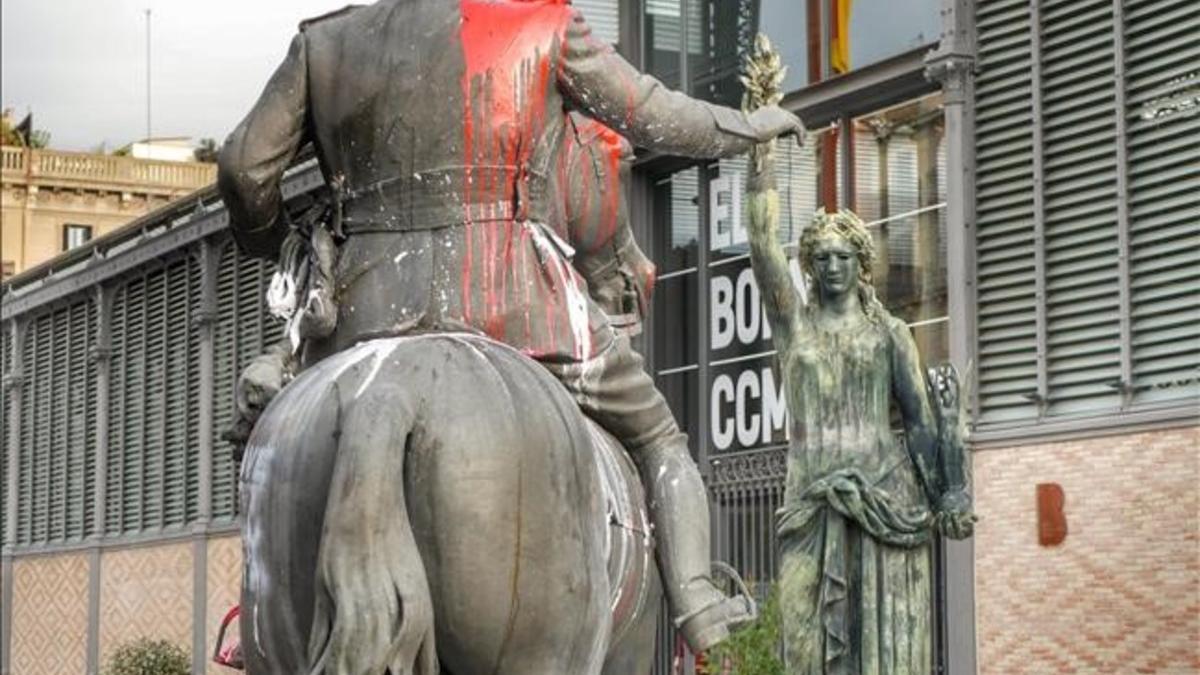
(257,385)
(772,121)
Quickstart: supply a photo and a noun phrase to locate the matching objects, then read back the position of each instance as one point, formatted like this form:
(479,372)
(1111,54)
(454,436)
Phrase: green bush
(149,657)
(754,650)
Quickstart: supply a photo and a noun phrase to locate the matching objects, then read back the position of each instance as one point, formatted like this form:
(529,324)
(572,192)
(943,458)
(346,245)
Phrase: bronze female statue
(860,506)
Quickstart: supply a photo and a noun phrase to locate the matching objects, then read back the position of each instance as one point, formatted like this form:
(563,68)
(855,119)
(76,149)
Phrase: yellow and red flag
(839,36)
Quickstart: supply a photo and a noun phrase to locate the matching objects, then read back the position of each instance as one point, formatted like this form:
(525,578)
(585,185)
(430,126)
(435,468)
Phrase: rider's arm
(920,427)
(597,80)
(255,155)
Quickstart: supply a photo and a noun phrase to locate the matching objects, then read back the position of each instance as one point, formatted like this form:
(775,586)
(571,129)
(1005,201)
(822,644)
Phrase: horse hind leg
(373,612)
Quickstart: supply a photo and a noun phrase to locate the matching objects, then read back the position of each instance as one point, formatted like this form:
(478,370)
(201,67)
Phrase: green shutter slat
(6,446)
(154,419)
(1004,208)
(116,398)
(176,446)
(243,330)
(224,367)
(57,464)
(1082,249)
(133,429)
(195,283)
(1162,52)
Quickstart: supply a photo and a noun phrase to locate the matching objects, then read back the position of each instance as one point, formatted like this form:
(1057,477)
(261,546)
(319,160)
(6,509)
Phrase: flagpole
(148,127)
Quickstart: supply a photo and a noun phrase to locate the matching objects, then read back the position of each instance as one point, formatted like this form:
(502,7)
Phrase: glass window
(883,28)
(796,173)
(720,32)
(786,22)
(680,387)
(75,235)
(723,33)
(662,30)
(675,320)
(604,16)
(677,221)
(899,190)
(676,234)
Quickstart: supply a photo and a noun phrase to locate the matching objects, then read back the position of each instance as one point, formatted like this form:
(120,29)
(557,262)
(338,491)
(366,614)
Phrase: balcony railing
(80,168)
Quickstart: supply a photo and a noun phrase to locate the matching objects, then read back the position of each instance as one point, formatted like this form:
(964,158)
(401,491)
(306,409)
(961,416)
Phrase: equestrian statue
(470,472)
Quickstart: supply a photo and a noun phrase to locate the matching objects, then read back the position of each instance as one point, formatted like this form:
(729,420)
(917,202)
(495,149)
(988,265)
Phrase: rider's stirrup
(706,627)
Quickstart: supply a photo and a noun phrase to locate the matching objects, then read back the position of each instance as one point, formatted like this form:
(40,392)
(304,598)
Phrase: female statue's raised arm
(764,74)
(779,294)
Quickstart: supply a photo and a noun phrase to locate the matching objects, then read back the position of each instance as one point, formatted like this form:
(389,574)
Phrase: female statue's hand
(945,392)
(954,517)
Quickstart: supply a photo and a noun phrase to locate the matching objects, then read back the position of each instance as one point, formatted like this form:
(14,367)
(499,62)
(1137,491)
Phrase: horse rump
(333,582)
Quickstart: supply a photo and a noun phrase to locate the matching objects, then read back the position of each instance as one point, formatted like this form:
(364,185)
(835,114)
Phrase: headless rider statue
(440,125)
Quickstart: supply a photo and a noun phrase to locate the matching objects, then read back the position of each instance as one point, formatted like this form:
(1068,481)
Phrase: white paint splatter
(577,302)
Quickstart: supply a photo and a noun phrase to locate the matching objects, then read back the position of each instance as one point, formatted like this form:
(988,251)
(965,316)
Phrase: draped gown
(855,526)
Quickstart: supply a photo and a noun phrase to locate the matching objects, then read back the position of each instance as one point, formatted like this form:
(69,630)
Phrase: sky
(80,65)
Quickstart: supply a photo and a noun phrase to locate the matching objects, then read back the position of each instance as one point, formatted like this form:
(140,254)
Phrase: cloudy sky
(80,65)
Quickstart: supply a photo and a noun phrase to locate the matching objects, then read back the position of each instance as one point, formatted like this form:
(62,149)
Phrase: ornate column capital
(203,318)
(953,70)
(13,382)
(99,354)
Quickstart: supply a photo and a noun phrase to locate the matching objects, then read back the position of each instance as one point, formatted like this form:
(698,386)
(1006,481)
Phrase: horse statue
(438,503)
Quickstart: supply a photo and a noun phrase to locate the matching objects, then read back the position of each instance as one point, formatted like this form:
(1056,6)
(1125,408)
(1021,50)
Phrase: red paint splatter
(507,47)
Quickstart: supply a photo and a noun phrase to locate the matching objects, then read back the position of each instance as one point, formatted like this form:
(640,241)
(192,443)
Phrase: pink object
(229,655)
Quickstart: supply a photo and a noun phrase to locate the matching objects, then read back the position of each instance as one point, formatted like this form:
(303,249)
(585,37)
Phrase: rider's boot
(679,510)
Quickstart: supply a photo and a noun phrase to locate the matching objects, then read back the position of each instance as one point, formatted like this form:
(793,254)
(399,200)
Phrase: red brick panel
(1121,593)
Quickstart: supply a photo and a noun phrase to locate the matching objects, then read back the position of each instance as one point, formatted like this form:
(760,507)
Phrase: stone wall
(1121,594)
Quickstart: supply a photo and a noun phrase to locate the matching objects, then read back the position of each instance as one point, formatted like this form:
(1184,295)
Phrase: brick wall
(145,593)
(1121,594)
(50,615)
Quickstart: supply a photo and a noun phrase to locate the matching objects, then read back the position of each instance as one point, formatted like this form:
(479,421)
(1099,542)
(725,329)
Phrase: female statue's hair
(848,226)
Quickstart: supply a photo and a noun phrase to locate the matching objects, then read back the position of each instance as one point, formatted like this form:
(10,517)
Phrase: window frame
(71,228)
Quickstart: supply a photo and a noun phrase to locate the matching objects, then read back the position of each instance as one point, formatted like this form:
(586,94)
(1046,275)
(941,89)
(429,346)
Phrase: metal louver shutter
(243,329)
(178,447)
(1004,213)
(153,466)
(1162,50)
(35,433)
(195,284)
(6,368)
(1080,177)
(57,468)
(154,373)
(604,16)
(127,441)
(78,419)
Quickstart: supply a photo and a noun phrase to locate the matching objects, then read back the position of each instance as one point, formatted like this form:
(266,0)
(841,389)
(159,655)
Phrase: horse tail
(372,609)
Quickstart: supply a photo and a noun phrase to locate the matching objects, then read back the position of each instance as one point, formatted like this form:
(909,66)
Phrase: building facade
(52,201)
(1028,171)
